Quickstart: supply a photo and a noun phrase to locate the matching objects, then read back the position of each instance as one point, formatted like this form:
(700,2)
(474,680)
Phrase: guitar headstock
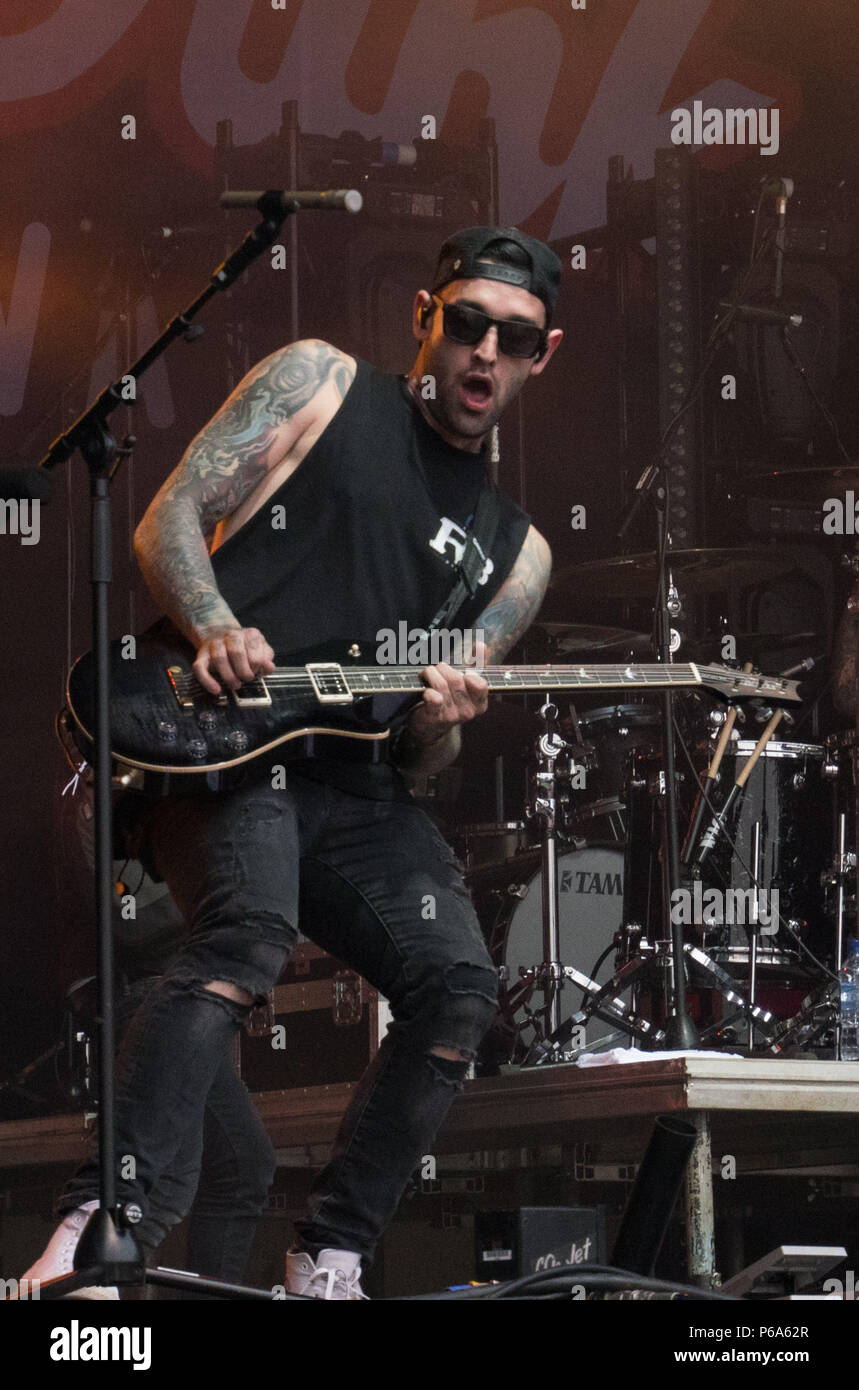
(733,685)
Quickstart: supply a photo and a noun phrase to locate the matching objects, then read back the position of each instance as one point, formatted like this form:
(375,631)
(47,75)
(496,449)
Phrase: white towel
(634,1054)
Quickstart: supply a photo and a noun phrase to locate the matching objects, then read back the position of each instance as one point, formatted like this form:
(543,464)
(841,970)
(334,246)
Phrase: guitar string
(678,675)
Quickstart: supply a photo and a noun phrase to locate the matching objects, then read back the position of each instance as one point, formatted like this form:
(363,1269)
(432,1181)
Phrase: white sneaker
(334,1274)
(58,1257)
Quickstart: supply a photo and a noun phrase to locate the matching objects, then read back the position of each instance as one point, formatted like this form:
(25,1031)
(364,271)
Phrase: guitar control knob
(207,719)
(237,741)
(197,749)
(167,731)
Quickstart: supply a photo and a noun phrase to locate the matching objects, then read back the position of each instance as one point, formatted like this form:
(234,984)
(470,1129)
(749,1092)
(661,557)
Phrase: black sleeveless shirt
(363,536)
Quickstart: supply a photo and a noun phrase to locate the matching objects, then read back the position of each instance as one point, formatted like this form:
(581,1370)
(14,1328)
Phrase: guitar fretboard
(376,680)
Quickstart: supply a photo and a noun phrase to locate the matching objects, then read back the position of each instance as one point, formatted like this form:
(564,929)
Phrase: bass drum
(492,843)
(590,906)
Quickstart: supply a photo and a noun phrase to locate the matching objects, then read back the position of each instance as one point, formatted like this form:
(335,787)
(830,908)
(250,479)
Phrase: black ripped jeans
(219,1176)
(381,891)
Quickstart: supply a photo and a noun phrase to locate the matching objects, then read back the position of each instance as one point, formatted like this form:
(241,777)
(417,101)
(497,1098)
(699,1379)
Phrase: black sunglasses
(463,324)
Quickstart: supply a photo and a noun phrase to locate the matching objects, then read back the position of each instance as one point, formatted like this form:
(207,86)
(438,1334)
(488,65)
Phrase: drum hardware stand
(707,969)
(602,1005)
(599,1004)
(549,976)
(654,484)
(753,927)
(851,563)
(843,869)
(817,1013)
(552,974)
(107,1252)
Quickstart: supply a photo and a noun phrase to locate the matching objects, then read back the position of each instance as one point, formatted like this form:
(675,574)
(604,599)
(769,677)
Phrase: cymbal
(591,637)
(814,486)
(697,571)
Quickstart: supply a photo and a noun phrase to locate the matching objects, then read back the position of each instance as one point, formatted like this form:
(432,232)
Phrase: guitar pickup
(252,694)
(329,683)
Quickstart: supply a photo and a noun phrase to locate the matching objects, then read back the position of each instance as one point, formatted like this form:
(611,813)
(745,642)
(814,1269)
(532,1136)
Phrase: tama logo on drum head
(586,881)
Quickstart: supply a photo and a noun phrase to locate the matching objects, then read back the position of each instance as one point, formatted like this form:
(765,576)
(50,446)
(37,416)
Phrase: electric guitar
(163,721)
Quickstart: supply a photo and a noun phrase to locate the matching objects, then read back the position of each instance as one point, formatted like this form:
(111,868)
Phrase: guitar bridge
(329,683)
(180,682)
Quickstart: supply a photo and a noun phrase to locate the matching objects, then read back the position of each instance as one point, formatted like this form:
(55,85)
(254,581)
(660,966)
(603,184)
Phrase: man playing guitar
(326,499)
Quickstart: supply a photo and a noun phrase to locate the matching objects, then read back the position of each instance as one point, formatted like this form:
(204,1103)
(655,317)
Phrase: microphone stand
(107,1252)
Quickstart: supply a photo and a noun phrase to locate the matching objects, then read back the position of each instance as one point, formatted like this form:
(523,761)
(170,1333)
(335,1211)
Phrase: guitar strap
(478,544)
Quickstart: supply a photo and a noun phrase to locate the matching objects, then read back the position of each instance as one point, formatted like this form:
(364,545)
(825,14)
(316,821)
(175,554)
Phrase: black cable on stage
(560,1282)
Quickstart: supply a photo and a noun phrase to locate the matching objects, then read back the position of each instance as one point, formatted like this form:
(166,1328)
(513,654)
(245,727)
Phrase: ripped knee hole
(229,991)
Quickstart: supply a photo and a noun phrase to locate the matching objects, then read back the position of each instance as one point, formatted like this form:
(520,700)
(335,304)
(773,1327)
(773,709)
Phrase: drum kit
(572,895)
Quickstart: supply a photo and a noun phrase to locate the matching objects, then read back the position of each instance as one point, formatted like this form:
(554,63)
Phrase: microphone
(807,665)
(778,188)
(784,192)
(283,201)
(755,313)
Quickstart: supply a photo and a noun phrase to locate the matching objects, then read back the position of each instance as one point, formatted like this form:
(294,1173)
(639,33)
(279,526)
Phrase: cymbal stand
(654,484)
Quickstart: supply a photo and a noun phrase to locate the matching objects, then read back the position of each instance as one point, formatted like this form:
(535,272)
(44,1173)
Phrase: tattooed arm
(432,736)
(518,601)
(257,433)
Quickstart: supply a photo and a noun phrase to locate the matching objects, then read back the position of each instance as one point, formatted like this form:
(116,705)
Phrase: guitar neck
(332,682)
(405,679)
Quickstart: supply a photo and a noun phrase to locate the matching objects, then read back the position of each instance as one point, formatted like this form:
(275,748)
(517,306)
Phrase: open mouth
(477,391)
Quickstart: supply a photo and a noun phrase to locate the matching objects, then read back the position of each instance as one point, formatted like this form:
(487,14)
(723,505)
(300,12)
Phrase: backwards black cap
(467,255)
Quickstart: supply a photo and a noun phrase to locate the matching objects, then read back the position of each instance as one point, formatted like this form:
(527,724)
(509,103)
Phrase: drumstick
(709,838)
(743,776)
(709,778)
